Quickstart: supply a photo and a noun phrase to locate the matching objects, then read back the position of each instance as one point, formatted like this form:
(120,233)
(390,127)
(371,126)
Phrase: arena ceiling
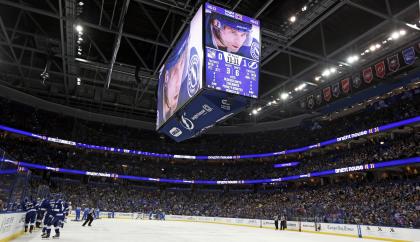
(125,42)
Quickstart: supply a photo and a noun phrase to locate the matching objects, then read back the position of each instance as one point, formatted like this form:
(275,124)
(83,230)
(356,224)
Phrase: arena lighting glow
(295,163)
(352,59)
(292,19)
(219,157)
(284,96)
(364,167)
(79,28)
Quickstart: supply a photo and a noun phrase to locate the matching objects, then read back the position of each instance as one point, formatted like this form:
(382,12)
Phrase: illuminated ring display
(219,157)
(364,167)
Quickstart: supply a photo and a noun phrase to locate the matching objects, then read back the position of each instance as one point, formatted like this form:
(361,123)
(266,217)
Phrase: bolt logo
(187,123)
(193,83)
(255,50)
(253,65)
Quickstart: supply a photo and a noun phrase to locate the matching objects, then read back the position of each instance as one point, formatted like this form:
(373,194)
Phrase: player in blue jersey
(231,35)
(39,213)
(85,213)
(46,206)
(78,211)
(58,217)
(29,207)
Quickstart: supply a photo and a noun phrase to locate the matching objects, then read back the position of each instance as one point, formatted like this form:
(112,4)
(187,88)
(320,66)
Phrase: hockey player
(89,218)
(231,35)
(85,213)
(39,213)
(58,220)
(78,211)
(30,208)
(46,206)
(97,213)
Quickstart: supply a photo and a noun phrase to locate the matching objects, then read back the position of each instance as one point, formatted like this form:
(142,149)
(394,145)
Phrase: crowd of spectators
(390,147)
(380,202)
(366,201)
(24,117)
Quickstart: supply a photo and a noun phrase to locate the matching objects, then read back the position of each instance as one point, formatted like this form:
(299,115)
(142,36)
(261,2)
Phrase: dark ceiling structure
(110,66)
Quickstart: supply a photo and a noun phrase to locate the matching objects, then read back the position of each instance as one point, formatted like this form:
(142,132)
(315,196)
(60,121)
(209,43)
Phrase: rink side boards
(349,230)
(11,226)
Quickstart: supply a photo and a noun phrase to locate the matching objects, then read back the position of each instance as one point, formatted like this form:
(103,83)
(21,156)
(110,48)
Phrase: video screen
(180,78)
(232,51)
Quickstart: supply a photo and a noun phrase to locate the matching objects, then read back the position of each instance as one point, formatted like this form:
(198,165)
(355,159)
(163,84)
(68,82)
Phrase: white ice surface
(109,230)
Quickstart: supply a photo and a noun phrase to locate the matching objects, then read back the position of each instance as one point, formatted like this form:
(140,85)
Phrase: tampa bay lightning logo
(193,78)
(255,50)
(253,65)
(187,123)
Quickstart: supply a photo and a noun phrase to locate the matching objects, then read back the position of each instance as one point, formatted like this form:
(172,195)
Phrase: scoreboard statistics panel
(232,51)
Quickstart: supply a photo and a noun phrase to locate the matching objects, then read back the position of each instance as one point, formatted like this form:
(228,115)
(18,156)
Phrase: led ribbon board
(364,167)
(218,157)
(290,164)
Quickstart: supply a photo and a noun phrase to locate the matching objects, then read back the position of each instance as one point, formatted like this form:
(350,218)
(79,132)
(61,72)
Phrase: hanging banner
(409,56)
(368,75)
(380,69)
(345,85)
(393,63)
(327,93)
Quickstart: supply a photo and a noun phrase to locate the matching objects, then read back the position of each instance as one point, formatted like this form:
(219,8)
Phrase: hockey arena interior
(218,120)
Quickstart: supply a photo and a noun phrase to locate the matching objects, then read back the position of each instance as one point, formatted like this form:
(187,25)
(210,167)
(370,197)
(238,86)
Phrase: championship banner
(393,63)
(409,56)
(380,69)
(336,90)
(368,75)
(311,102)
(318,98)
(357,82)
(327,93)
(345,85)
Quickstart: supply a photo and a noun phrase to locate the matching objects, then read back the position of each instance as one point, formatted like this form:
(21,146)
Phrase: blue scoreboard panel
(211,73)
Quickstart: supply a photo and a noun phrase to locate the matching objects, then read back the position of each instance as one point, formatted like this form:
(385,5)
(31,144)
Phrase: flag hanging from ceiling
(380,69)
(393,63)
(345,85)
(327,93)
(368,75)
(409,56)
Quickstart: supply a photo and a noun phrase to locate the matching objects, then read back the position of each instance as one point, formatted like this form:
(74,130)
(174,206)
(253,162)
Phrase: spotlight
(395,35)
(327,72)
(79,28)
(284,96)
(80,39)
(372,48)
(378,46)
(304,8)
(402,32)
(258,109)
(292,19)
(79,53)
(333,70)
(317,78)
(81,3)
(79,81)
(352,59)
(254,111)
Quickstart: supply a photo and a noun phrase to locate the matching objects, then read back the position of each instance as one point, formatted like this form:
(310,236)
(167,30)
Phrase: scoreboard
(211,73)
(232,51)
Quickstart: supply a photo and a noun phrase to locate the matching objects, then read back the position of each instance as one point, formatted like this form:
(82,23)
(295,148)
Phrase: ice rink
(105,230)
